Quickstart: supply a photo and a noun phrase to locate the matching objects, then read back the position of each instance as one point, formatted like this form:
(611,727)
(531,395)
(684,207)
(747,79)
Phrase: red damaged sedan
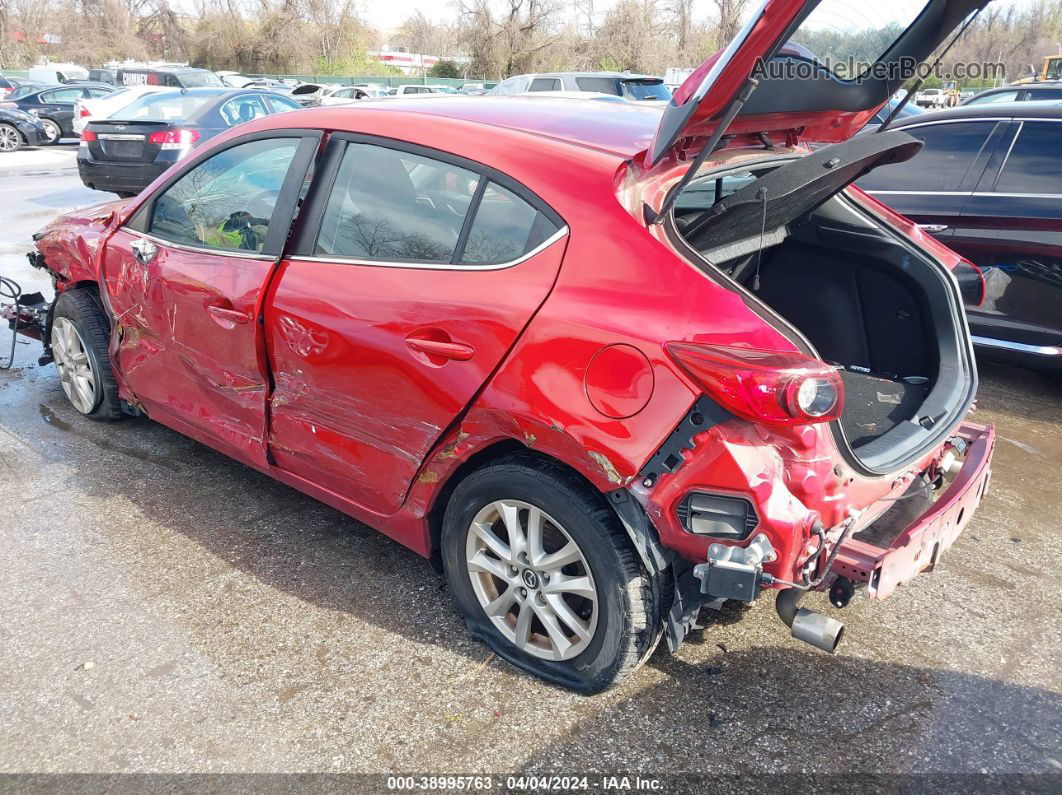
(605,365)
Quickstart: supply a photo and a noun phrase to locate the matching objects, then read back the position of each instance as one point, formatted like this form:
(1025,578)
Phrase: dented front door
(185,279)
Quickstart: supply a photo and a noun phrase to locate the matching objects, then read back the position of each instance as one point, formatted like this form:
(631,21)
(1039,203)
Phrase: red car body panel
(380,440)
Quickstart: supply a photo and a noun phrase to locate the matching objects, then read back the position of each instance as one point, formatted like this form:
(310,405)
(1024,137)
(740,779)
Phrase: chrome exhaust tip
(818,630)
(807,625)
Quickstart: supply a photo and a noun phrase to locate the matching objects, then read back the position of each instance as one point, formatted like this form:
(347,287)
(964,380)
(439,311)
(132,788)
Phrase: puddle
(52,419)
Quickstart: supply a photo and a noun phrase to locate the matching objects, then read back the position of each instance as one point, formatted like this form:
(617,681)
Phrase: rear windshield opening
(645,89)
(164,107)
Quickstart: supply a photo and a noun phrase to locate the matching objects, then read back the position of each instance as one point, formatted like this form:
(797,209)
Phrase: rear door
(414,274)
(933,187)
(185,279)
(1012,229)
(58,105)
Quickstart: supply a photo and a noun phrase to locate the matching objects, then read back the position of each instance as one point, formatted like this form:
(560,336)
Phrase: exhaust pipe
(807,625)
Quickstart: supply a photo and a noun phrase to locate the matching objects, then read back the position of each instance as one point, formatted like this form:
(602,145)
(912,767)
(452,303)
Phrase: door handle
(934,228)
(457,351)
(228,315)
(144,250)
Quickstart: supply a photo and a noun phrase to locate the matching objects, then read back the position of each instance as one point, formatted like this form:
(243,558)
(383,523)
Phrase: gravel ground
(165,609)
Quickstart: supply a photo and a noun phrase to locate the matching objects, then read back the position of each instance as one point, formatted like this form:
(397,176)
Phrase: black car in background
(18,129)
(125,153)
(988,184)
(1031,92)
(54,106)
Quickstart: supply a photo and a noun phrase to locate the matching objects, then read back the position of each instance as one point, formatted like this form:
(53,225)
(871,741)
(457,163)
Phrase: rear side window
(545,84)
(226,202)
(62,95)
(1035,163)
(603,85)
(505,228)
(942,165)
(1044,94)
(243,109)
(395,206)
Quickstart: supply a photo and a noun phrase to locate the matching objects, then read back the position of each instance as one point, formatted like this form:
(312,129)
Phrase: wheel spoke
(523,626)
(501,605)
(494,544)
(548,618)
(564,556)
(510,515)
(535,550)
(485,563)
(561,583)
(568,617)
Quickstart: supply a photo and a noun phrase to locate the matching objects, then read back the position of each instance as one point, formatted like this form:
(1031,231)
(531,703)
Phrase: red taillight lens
(971,282)
(88,135)
(175,137)
(763,386)
(82,111)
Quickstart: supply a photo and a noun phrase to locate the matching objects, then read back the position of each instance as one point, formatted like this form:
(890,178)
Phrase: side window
(280,104)
(92,93)
(1034,164)
(505,228)
(62,95)
(603,85)
(950,150)
(1002,96)
(242,109)
(226,202)
(1044,94)
(395,206)
(513,85)
(545,84)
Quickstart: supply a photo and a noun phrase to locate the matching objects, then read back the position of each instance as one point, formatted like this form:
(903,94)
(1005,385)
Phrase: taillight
(971,282)
(763,386)
(82,111)
(174,139)
(88,135)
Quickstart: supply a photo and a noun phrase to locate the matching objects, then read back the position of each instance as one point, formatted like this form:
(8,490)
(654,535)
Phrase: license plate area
(122,145)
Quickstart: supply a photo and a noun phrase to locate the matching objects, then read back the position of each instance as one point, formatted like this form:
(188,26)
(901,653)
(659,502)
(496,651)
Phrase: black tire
(628,604)
(10,138)
(52,128)
(83,310)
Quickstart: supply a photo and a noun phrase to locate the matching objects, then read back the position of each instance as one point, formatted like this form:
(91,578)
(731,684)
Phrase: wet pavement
(163,608)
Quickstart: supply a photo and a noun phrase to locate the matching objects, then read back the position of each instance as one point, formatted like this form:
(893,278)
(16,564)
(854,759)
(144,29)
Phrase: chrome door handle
(446,350)
(933,227)
(144,250)
(229,315)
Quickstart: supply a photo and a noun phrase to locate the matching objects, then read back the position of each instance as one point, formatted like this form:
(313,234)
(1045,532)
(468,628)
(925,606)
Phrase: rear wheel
(51,131)
(10,138)
(79,340)
(545,575)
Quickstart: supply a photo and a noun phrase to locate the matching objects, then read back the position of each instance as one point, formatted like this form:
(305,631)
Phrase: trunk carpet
(873,405)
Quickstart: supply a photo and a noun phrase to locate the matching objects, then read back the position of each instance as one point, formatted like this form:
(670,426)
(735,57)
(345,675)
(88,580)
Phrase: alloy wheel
(10,140)
(531,580)
(74,366)
(52,130)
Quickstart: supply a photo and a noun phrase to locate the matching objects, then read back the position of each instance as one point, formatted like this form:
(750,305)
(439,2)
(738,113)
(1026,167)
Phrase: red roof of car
(621,128)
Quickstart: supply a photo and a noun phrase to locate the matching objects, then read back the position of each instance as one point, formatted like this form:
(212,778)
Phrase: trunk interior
(869,303)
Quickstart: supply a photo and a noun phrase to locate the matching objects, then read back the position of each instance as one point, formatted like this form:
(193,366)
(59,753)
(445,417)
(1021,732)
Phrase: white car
(593,95)
(931,98)
(85,110)
(418,90)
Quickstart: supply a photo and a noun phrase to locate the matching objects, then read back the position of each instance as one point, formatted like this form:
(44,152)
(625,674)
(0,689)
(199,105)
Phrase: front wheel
(10,138)
(545,575)
(79,339)
(52,132)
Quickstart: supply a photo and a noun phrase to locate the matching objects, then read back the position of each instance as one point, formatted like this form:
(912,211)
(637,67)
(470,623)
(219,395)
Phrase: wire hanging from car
(10,289)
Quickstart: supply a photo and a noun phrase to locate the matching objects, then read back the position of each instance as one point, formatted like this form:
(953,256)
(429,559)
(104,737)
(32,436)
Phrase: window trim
(273,246)
(317,203)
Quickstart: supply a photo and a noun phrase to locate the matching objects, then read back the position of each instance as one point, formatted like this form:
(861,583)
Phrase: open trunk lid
(824,67)
(758,213)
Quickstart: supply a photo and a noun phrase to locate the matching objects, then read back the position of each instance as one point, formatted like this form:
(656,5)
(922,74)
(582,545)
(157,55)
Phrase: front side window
(950,150)
(281,104)
(395,206)
(1033,165)
(226,202)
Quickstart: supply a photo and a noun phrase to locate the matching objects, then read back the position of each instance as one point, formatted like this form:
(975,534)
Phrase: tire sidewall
(595,667)
(66,307)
